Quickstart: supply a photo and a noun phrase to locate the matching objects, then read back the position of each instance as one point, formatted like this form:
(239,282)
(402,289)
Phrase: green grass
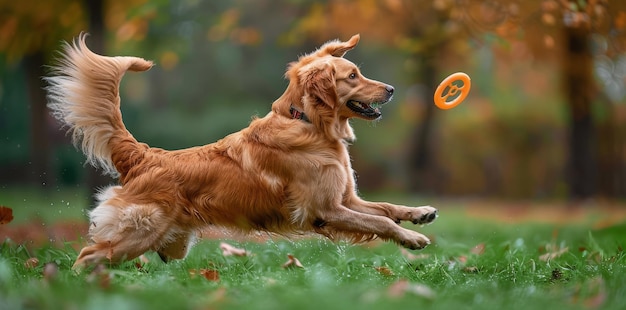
(508,274)
(28,203)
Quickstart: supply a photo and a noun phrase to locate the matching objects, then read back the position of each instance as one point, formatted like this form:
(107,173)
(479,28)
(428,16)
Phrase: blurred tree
(433,31)
(587,34)
(29,30)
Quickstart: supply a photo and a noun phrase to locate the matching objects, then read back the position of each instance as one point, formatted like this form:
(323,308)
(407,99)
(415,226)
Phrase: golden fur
(281,174)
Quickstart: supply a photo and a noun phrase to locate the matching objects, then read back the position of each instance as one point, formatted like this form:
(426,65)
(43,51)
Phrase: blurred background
(545,120)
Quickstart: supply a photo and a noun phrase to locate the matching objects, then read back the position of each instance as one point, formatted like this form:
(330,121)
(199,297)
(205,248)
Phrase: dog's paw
(424,215)
(413,240)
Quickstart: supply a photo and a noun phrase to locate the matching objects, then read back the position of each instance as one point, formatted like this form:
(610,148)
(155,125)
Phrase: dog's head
(333,87)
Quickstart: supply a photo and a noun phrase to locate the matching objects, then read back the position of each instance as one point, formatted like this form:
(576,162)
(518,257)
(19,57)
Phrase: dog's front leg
(348,222)
(397,213)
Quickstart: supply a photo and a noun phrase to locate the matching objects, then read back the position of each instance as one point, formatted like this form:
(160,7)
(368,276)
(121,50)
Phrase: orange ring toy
(452,90)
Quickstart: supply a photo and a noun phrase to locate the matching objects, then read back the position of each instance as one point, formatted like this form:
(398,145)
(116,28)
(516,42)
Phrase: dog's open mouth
(369,111)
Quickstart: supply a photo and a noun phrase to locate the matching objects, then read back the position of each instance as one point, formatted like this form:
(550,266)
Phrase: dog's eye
(352,76)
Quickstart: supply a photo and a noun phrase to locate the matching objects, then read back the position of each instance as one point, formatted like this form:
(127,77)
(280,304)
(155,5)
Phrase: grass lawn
(473,263)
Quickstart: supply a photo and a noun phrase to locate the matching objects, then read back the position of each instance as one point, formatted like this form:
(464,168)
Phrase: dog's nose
(389,89)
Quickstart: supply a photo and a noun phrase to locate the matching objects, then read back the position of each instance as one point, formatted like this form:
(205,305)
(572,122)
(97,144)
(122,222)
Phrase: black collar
(297,114)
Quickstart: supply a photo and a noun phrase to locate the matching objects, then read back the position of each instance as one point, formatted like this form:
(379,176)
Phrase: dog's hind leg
(121,231)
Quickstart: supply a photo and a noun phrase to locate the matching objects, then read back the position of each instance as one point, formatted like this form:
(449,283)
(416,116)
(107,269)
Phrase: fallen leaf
(462,259)
(385,271)
(552,250)
(552,254)
(598,296)
(217,296)
(209,274)
(479,249)
(402,287)
(50,271)
(471,269)
(31,263)
(138,265)
(229,250)
(398,289)
(6,215)
(292,262)
(141,261)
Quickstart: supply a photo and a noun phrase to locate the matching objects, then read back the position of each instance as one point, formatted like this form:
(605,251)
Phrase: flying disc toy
(452,90)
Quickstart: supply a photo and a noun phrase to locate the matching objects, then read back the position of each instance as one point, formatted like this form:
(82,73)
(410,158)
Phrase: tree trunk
(38,140)
(420,153)
(578,80)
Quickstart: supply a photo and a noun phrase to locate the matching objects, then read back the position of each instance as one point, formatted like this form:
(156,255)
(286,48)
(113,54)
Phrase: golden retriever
(288,172)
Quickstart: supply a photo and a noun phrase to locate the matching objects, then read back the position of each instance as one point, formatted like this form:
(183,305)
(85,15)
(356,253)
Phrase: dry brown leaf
(6,215)
(142,260)
(401,287)
(385,271)
(217,296)
(462,259)
(471,269)
(209,274)
(50,271)
(552,254)
(398,289)
(597,299)
(138,265)
(292,262)
(31,263)
(229,250)
(479,249)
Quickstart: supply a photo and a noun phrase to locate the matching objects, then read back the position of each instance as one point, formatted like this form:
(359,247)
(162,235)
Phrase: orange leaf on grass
(229,250)
(292,262)
(385,271)
(6,215)
(598,295)
(479,249)
(31,263)
(209,274)
(553,254)
(50,271)
(402,287)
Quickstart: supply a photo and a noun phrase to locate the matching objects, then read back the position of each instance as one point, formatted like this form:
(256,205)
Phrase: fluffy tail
(83,93)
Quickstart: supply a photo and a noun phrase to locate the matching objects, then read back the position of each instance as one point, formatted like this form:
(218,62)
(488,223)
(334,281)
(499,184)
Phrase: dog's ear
(318,81)
(337,48)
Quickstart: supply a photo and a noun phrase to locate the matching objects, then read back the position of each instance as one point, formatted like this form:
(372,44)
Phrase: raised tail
(83,93)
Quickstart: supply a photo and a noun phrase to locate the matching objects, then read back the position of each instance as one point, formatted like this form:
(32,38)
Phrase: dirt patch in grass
(597,214)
